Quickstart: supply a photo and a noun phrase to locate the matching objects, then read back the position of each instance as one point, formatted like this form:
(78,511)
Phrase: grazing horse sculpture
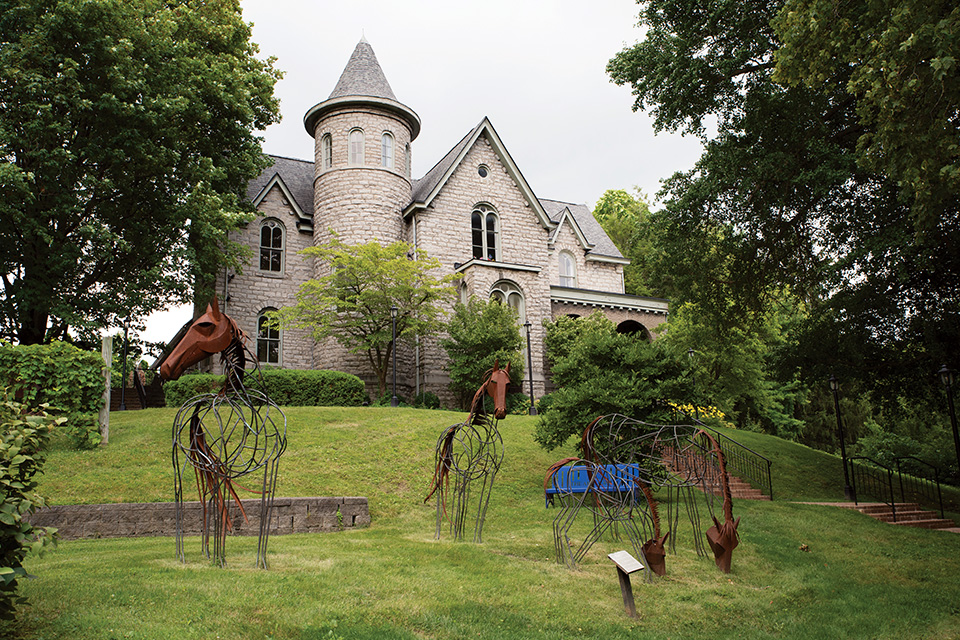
(223,436)
(472,451)
(676,457)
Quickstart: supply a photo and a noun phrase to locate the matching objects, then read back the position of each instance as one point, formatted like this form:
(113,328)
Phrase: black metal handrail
(923,490)
(745,463)
(872,479)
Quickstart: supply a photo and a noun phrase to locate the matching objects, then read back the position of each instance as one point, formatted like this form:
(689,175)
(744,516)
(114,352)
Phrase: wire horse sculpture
(626,461)
(473,452)
(223,436)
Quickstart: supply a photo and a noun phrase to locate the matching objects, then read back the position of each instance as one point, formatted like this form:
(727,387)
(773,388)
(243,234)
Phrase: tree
(481,332)
(353,302)
(626,219)
(126,144)
(781,200)
(900,62)
(599,371)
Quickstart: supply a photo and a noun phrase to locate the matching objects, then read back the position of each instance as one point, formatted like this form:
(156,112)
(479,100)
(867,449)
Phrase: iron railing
(872,479)
(915,486)
(742,461)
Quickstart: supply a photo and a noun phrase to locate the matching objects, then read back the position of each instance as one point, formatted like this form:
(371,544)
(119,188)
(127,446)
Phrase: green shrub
(481,332)
(544,402)
(62,376)
(286,387)
(23,436)
(427,400)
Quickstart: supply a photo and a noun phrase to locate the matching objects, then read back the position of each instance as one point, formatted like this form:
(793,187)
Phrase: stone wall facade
(290,515)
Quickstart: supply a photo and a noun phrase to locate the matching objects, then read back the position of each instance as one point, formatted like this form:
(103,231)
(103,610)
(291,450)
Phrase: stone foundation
(290,515)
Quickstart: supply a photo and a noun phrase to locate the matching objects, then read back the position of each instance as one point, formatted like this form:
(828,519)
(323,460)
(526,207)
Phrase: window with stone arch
(386,150)
(326,151)
(507,292)
(485,228)
(272,240)
(356,147)
(268,339)
(568,269)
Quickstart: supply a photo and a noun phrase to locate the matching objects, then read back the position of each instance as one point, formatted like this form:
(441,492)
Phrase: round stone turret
(362,137)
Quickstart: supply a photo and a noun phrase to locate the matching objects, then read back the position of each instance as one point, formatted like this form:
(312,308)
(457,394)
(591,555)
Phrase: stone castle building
(474,211)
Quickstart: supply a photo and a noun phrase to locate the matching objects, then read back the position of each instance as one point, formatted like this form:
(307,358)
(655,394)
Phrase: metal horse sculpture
(679,458)
(472,451)
(223,436)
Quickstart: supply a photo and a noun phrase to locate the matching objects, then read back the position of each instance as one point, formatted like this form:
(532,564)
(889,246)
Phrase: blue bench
(609,478)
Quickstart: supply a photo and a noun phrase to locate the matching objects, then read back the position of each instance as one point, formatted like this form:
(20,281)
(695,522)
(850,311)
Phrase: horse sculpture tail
(722,538)
(441,472)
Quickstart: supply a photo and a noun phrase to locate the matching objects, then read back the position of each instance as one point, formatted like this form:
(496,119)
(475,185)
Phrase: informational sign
(627,563)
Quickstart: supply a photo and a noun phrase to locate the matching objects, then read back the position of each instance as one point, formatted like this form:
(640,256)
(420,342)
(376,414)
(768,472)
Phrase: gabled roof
(583,223)
(295,179)
(363,76)
(427,188)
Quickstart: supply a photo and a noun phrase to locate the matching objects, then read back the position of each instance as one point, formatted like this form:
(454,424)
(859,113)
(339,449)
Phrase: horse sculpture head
(496,388)
(209,334)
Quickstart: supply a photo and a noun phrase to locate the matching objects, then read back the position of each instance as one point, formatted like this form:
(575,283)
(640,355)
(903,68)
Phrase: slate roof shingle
(296,174)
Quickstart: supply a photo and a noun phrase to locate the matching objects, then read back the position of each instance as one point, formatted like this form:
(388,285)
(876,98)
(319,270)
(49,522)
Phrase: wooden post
(107,352)
(626,564)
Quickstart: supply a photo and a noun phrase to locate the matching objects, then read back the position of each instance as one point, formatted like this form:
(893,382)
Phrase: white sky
(536,68)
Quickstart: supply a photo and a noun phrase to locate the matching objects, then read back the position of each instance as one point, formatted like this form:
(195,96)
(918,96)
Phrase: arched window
(408,160)
(510,294)
(326,151)
(356,147)
(568,270)
(386,150)
(268,340)
(271,246)
(485,227)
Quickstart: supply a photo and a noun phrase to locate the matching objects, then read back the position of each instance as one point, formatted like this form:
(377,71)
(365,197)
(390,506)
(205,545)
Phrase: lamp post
(946,377)
(123,368)
(848,492)
(533,409)
(394,402)
(693,373)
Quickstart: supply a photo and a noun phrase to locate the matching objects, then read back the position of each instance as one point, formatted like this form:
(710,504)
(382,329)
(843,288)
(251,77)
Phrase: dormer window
(485,229)
(386,150)
(356,147)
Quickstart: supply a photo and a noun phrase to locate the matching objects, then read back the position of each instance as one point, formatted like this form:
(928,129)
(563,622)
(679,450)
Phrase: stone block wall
(289,515)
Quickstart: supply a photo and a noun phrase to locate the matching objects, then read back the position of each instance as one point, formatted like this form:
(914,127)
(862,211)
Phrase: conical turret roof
(362,84)
(363,76)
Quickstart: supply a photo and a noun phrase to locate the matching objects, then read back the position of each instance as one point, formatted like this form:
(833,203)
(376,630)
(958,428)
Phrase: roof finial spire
(363,37)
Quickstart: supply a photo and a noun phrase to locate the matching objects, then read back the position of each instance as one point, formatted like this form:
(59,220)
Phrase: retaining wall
(289,515)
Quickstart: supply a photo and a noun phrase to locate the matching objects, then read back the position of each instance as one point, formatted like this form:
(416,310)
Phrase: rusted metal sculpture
(224,436)
(678,458)
(472,451)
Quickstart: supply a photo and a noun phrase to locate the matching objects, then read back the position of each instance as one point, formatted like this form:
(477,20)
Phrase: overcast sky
(536,68)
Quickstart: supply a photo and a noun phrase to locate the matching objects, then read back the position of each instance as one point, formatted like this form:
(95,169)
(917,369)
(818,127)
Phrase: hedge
(286,387)
(62,376)
(23,436)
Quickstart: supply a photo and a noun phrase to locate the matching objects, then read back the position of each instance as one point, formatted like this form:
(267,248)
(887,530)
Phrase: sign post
(626,564)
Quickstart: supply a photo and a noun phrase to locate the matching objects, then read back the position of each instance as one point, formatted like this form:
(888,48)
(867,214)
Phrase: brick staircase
(909,514)
(739,489)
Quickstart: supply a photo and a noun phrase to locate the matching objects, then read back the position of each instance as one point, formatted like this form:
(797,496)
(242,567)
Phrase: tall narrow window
(485,231)
(271,246)
(408,159)
(356,147)
(268,340)
(386,151)
(326,151)
(568,270)
(508,293)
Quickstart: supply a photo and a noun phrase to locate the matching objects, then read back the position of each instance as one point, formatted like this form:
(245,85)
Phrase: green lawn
(859,579)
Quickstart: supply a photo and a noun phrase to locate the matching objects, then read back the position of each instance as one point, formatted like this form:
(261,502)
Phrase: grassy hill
(859,579)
